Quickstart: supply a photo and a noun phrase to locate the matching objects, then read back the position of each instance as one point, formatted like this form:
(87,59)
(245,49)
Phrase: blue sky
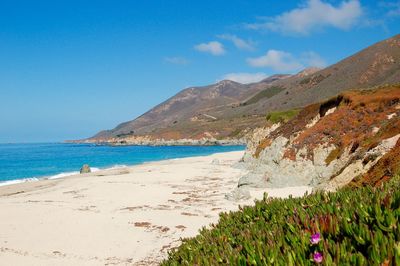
(71,68)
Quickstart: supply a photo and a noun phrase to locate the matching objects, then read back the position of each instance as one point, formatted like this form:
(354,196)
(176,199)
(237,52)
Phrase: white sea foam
(60,175)
(63,175)
(117,166)
(17,181)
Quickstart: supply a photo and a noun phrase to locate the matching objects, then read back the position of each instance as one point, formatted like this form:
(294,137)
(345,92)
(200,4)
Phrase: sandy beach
(126,216)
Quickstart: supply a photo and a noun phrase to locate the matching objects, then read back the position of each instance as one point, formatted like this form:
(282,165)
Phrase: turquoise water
(26,161)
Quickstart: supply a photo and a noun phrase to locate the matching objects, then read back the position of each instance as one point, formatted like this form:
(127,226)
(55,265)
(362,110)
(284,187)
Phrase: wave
(60,175)
(17,181)
(117,166)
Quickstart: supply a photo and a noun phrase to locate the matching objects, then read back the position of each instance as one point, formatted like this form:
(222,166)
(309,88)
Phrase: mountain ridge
(227,109)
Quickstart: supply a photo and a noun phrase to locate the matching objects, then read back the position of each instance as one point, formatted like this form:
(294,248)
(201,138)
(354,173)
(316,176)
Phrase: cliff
(351,138)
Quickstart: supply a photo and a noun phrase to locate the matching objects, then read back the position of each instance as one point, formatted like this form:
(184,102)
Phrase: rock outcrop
(327,145)
(85,169)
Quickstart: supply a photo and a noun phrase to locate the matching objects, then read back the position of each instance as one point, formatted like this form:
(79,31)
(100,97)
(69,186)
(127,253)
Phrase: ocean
(25,162)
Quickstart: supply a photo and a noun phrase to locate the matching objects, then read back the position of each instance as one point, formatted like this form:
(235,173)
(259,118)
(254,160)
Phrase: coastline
(66,170)
(131,215)
(150,141)
(53,177)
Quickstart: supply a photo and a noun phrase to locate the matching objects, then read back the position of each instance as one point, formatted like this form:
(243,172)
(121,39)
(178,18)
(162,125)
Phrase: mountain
(226,109)
(376,65)
(190,111)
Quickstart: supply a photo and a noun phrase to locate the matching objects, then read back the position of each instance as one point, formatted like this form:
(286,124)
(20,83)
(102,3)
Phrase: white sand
(129,216)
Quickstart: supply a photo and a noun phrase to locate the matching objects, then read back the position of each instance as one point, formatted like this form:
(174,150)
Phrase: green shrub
(357,227)
(282,116)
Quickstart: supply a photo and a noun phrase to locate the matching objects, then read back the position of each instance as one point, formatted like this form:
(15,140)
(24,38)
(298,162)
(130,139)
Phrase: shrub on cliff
(282,116)
(350,227)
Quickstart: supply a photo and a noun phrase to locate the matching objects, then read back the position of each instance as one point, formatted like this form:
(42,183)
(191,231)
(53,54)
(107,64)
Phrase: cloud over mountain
(245,78)
(277,60)
(286,62)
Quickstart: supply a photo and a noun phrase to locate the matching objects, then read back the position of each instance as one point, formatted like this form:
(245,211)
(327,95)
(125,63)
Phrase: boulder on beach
(239,193)
(85,169)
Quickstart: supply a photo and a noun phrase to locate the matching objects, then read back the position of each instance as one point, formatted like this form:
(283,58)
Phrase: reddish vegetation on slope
(350,125)
(290,128)
(358,112)
(387,167)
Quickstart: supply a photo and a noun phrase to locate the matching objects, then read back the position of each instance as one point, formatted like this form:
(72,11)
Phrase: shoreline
(126,216)
(93,169)
(53,177)
(149,141)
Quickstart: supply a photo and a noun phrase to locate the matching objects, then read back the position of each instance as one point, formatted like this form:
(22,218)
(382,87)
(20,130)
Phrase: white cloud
(277,60)
(282,61)
(313,59)
(214,48)
(314,15)
(245,78)
(177,60)
(238,42)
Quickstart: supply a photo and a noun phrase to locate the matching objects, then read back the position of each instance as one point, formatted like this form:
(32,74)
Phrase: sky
(69,69)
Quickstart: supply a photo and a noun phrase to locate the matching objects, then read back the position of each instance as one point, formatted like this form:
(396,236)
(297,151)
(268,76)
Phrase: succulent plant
(353,226)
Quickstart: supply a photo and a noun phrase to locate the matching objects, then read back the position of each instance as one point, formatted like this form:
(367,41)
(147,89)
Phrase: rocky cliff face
(350,138)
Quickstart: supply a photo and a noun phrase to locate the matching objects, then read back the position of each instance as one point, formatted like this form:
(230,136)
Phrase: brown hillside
(355,122)
(225,108)
(376,65)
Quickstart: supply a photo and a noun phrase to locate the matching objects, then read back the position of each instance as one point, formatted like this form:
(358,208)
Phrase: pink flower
(318,257)
(315,238)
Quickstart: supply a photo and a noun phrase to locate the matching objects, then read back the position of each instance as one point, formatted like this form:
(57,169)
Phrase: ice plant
(315,238)
(266,217)
(318,257)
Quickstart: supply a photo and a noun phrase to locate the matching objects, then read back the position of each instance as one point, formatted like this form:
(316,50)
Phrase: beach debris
(142,224)
(85,169)
(189,214)
(181,227)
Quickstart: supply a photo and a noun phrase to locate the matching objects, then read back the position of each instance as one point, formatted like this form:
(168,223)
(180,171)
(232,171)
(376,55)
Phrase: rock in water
(85,169)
